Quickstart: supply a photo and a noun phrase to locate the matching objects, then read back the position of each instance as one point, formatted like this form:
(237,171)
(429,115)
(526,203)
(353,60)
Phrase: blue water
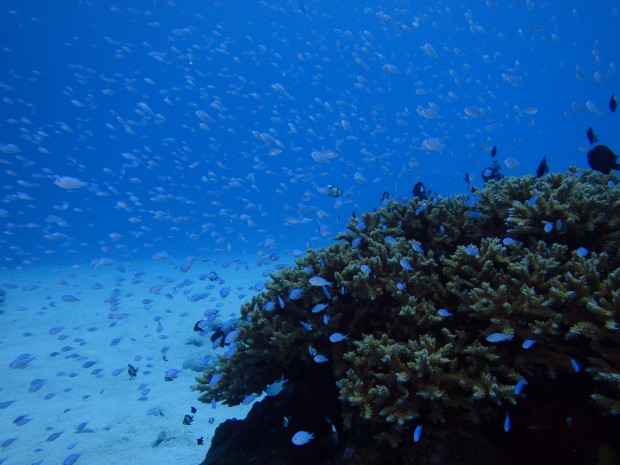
(109,95)
(191,129)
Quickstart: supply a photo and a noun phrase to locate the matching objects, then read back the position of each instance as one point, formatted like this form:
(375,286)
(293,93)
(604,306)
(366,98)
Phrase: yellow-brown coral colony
(447,305)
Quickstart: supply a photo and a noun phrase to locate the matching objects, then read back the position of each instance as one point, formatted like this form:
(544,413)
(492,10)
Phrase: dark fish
(591,136)
(201,325)
(333,191)
(334,432)
(385,196)
(419,191)
(193,409)
(467,178)
(199,441)
(602,159)
(131,370)
(494,151)
(613,103)
(187,419)
(491,173)
(542,168)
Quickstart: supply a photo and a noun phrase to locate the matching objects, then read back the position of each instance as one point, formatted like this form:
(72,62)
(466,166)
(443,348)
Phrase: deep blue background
(73,74)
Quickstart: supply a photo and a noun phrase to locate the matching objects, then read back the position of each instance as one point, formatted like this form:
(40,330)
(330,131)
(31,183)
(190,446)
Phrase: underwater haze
(160,160)
(137,128)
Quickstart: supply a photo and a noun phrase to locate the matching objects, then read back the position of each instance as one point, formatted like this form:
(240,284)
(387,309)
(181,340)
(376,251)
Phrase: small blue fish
(276,387)
(6,403)
(215,378)
(269,306)
(401,286)
(528,343)
(319,281)
(171,374)
(406,265)
(421,209)
(355,243)
(444,313)
(532,200)
(22,361)
(54,436)
(21,420)
(295,294)
(337,337)
(499,337)
(365,269)
(390,240)
(507,423)
(8,442)
(71,459)
(575,365)
(306,325)
(318,308)
(417,248)
(417,433)
(582,252)
(36,384)
(520,385)
(472,250)
(509,241)
(548,227)
(442,229)
(302,437)
(325,319)
(249,399)
(326,293)
(473,214)
(81,426)
(318,358)
(280,301)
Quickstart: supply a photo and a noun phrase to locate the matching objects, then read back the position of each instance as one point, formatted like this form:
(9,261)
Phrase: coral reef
(448,313)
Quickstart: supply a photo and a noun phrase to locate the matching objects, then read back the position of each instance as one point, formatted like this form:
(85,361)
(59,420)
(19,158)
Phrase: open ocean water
(139,137)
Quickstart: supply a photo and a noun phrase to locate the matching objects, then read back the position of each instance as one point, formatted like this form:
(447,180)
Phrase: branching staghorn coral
(447,305)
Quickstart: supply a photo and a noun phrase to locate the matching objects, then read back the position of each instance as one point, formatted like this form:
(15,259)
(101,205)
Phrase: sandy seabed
(67,336)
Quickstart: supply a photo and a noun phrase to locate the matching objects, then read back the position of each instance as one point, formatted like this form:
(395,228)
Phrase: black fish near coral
(602,159)
(591,136)
(613,103)
(542,168)
(419,191)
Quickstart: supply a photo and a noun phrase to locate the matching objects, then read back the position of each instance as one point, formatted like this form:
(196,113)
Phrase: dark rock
(262,439)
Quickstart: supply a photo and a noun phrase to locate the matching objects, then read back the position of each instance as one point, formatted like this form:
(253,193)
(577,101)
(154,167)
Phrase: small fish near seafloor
(132,371)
